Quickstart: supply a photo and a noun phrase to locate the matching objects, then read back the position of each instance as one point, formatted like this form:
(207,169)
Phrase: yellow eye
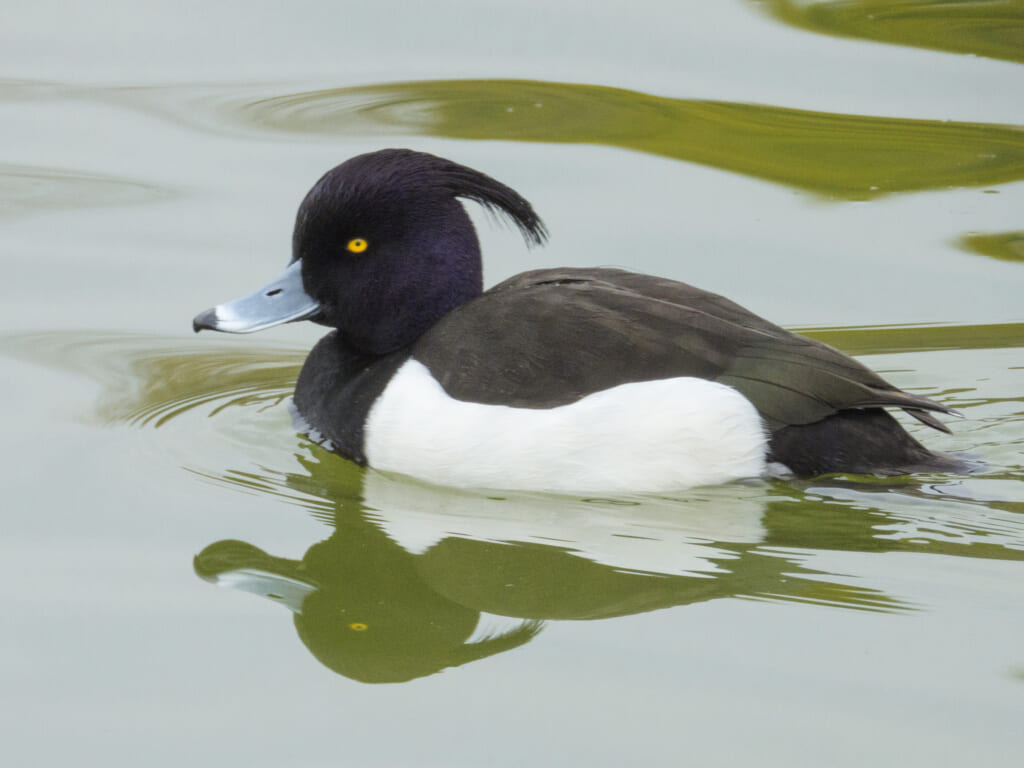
(357,626)
(357,245)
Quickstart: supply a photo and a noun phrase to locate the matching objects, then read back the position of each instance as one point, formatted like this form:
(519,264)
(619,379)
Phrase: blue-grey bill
(282,300)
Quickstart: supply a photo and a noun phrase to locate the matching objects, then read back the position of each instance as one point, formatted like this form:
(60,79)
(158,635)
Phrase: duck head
(382,249)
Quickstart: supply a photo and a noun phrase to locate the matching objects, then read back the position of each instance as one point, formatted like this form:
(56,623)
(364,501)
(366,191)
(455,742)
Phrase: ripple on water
(425,571)
(844,156)
(994,29)
(26,189)
(840,156)
(237,392)
(153,380)
(1004,246)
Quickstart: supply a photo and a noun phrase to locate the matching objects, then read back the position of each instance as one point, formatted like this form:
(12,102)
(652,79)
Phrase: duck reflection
(415,579)
(360,606)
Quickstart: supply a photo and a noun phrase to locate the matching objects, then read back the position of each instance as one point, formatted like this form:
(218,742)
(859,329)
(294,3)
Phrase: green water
(191,582)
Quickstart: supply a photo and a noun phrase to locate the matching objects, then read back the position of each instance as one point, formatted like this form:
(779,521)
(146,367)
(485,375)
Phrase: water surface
(189,576)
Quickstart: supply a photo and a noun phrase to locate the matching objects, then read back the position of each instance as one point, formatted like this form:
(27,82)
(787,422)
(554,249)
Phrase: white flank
(643,436)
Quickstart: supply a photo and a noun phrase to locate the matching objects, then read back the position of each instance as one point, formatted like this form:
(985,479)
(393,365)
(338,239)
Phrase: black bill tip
(205,321)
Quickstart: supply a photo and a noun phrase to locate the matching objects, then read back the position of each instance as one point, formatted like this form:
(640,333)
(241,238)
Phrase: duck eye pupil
(357,245)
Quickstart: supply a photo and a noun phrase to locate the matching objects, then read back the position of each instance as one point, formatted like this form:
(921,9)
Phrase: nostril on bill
(274,292)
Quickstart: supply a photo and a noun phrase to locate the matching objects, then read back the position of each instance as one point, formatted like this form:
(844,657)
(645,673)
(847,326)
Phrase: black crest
(419,176)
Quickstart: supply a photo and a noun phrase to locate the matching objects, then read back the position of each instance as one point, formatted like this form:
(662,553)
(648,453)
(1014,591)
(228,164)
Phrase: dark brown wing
(550,337)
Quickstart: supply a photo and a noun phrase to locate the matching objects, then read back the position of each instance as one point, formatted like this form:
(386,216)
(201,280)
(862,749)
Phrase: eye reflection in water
(415,579)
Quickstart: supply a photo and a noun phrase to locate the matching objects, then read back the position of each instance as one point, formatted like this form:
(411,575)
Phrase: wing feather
(550,337)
